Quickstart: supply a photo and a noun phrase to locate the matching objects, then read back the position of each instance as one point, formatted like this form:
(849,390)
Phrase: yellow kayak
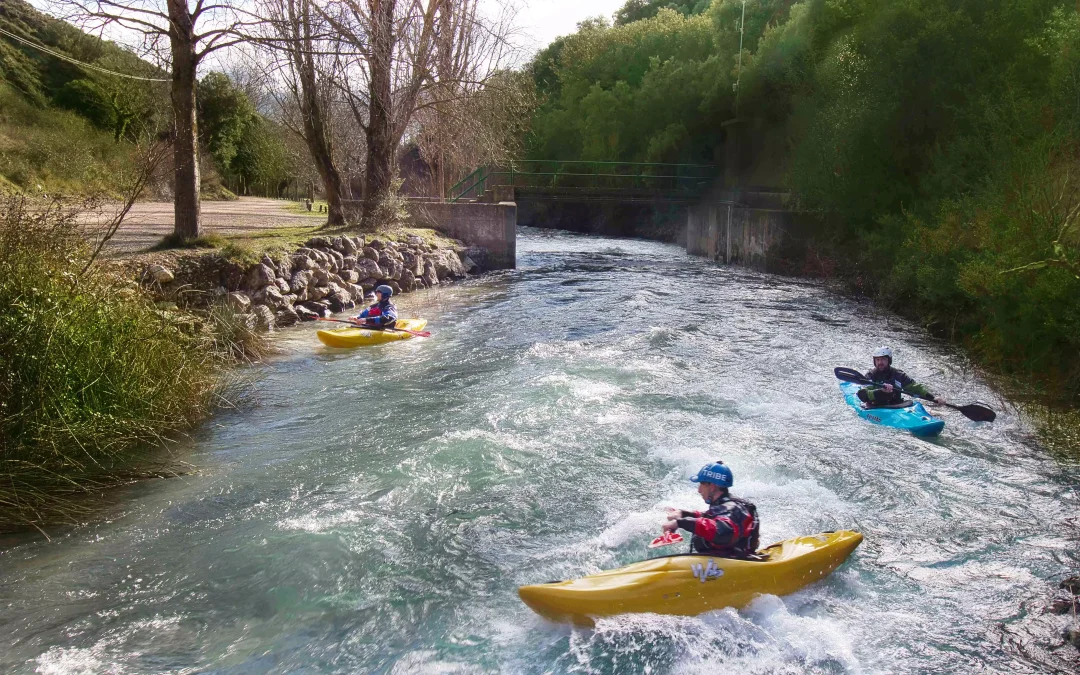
(692,584)
(360,337)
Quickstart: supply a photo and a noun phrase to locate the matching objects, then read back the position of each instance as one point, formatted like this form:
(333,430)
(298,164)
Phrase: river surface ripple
(376,510)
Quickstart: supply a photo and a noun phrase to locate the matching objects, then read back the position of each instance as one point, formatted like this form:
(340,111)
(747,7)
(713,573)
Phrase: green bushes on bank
(935,142)
(90,372)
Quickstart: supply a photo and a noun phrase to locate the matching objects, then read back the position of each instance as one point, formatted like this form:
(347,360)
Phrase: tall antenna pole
(738,76)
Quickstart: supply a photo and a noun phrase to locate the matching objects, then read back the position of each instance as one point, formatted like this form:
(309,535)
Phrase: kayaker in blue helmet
(729,528)
(891,382)
(382,314)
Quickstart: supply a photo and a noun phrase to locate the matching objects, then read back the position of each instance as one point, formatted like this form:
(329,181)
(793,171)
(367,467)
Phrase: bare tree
(296,36)
(399,56)
(181,33)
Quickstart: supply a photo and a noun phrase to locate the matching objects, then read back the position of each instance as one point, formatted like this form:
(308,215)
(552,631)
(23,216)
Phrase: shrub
(90,372)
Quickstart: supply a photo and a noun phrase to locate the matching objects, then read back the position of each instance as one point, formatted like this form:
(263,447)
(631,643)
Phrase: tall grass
(91,374)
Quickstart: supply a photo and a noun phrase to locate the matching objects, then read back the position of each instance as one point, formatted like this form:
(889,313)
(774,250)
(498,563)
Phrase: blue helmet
(715,473)
(385,290)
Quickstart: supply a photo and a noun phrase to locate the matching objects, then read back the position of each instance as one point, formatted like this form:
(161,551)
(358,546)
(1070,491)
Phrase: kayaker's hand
(939,399)
(887,387)
(670,526)
(672,514)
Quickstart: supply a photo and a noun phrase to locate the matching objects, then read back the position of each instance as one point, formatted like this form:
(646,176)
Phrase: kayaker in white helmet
(729,528)
(890,383)
(382,314)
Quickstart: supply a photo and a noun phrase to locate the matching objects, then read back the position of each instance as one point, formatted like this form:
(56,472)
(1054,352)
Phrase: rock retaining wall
(327,275)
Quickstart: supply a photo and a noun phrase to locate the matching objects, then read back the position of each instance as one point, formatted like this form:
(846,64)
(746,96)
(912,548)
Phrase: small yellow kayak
(691,584)
(361,337)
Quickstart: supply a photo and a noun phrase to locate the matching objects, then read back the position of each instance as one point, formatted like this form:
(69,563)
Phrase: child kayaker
(382,314)
(729,528)
(890,382)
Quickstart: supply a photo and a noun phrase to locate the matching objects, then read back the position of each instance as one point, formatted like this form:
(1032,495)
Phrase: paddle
(417,333)
(972,411)
(666,539)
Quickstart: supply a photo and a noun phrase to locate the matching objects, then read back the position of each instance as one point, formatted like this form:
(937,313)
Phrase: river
(374,510)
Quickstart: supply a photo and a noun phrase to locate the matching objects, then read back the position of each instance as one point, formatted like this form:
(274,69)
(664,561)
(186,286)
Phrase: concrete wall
(491,229)
(736,234)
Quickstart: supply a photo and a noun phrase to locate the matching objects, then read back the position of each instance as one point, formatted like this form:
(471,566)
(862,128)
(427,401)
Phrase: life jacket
(728,529)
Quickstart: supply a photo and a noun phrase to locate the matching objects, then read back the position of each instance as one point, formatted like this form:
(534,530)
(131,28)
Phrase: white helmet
(884,351)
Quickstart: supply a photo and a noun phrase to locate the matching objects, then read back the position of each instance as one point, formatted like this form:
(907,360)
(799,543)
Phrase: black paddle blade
(977,412)
(850,375)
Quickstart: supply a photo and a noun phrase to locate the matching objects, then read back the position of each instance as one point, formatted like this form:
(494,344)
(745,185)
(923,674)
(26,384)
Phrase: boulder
(370,253)
(407,282)
(300,262)
(305,314)
(430,275)
(317,308)
(340,300)
(356,291)
(367,267)
(369,283)
(348,262)
(320,276)
(393,284)
(377,244)
(283,285)
(1072,635)
(159,274)
(317,242)
(350,276)
(468,264)
(284,267)
(337,244)
(286,316)
(300,281)
(259,276)
(270,296)
(414,240)
(264,317)
(413,264)
(448,264)
(239,302)
(336,259)
(316,293)
(248,319)
(271,264)
(348,246)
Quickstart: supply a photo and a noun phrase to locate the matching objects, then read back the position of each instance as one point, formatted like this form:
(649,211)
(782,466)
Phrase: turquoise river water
(376,509)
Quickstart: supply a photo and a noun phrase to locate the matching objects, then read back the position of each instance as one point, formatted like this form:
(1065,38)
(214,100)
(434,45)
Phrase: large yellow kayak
(692,584)
(359,337)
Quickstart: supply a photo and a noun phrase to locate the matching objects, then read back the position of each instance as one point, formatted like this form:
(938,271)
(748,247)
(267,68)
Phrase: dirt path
(148,222)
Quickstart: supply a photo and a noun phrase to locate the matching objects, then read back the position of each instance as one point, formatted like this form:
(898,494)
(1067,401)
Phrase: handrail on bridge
(685,177)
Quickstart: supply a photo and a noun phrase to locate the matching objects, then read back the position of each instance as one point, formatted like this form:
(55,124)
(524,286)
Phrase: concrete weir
(489,229)
(736,230)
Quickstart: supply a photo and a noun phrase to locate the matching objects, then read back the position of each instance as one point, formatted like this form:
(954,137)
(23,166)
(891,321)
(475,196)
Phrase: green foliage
(57,151)
(248,149)
(636,10)
(935,140)
(89,371)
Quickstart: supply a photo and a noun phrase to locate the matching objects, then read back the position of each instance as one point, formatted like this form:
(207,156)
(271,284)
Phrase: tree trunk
(186,137)
(380,130)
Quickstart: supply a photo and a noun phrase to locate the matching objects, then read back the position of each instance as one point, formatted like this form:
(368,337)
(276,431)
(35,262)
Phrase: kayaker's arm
(720,531)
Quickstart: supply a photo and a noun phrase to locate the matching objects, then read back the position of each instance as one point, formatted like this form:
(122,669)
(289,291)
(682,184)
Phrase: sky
(545,20)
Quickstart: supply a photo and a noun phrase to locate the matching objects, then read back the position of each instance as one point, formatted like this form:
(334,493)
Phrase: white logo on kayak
(705,572)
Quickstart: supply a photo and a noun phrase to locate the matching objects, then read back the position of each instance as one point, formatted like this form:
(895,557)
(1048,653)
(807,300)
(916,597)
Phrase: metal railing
(585,177)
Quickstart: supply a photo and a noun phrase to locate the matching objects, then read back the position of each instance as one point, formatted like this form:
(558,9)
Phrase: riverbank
(104,365)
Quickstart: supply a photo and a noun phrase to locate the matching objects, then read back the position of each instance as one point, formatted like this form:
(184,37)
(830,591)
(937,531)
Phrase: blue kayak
(910,415)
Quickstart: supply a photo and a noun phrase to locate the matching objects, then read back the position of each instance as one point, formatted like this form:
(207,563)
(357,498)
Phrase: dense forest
(69,128)
(933,144)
